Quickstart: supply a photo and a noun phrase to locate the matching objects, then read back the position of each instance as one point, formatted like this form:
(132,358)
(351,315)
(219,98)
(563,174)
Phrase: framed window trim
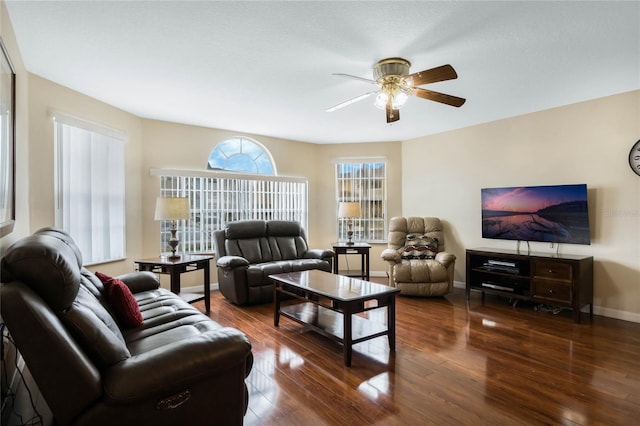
(372,226)
(7,143)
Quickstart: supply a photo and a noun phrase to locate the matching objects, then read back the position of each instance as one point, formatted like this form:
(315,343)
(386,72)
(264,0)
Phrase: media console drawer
(556,279)
(551,290)
(552,269)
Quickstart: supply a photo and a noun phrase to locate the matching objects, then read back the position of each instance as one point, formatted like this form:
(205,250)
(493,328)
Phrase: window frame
(372,226)
(197,238)
(227,152)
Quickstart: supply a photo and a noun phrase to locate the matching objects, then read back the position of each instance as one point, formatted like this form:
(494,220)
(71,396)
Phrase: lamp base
(350,236)
(173,243)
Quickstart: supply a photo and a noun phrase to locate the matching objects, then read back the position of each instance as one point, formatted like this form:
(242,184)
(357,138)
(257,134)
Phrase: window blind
(218,198)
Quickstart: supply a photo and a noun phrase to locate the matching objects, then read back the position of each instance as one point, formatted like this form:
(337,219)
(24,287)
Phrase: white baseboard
(199,288)
(615,313)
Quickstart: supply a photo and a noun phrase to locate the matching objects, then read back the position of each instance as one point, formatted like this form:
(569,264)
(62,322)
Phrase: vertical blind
(90,189)
(363,181)
(217,198)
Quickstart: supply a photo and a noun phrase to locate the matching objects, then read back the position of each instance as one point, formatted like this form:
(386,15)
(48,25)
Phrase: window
(241,155)
(89,187)
(363,181)
(217,198)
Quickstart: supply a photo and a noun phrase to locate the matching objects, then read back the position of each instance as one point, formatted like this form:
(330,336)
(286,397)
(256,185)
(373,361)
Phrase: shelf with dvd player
(563,280)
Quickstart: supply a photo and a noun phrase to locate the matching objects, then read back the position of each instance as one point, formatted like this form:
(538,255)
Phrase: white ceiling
(266,67)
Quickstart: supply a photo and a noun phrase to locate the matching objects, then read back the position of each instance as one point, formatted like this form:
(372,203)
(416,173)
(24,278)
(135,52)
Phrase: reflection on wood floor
(491,363)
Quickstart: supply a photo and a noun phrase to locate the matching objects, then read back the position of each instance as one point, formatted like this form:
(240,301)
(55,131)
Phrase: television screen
(555,213)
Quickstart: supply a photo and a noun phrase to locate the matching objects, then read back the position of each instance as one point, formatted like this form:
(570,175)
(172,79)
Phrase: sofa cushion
(121,300)
(258,274)
(420,247)
(95,329)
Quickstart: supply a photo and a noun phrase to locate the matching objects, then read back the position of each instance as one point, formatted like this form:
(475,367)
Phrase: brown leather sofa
(249,251)
(178,367)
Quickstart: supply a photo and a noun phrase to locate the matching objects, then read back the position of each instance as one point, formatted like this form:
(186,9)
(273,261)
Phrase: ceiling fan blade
(366,80)
(392,114)
(437,96)
(442,73)
(350,101)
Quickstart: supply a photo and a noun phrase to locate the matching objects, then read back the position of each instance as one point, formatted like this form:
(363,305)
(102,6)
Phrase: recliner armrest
(324,254)
(165,370)
(140,281)
(391,255)
(445,258)
(228,262)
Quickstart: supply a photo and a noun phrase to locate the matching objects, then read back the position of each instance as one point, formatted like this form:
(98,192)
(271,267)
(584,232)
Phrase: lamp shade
(176,208)
(349,209)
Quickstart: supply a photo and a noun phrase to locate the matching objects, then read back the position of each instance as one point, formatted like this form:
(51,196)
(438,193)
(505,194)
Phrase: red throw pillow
(121,301)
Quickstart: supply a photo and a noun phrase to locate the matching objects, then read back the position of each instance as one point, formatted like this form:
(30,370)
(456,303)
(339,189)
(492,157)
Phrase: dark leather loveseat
(178,367)
(249,251)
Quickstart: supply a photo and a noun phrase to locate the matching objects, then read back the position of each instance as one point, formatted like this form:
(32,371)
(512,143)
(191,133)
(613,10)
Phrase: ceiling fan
(395,84)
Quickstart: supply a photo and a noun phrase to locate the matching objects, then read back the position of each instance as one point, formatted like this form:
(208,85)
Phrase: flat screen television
(553,213)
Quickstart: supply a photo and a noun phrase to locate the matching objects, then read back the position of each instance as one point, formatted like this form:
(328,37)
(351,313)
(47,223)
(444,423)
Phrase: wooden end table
(176,267)
(329,304)
(347,249)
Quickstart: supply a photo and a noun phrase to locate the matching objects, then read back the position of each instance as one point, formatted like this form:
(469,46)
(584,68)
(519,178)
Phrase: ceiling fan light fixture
(395,84)
(399,99)
(382,99)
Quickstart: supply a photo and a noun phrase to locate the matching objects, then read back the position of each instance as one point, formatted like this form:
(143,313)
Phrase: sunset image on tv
(557,213)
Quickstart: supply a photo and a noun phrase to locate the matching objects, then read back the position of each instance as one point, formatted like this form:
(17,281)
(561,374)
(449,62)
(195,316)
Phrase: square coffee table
(329,302)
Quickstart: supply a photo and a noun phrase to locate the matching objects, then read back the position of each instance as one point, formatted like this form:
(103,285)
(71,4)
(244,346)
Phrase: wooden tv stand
(554,279)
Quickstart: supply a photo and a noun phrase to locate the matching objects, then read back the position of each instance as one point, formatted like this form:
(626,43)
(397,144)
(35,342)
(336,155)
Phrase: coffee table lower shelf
(331,323)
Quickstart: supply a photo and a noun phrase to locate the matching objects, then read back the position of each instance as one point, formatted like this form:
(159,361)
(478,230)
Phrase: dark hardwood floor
(489,364)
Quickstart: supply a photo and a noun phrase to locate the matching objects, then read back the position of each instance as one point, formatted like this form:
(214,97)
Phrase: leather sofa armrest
(445,258)
(391,255)
(208,354)
(324,254)
(140,281)
(228,262)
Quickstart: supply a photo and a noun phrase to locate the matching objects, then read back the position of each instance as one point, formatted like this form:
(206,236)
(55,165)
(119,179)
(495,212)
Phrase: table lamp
(349,210)
(172,209)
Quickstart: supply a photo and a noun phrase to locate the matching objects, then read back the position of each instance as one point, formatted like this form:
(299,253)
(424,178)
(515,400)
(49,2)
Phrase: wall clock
(634,158)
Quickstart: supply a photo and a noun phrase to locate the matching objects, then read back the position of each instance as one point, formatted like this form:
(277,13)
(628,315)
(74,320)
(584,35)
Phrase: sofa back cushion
(265,241)
(95,330)
(47,264)
(287,239)
(50,263)
(426,228)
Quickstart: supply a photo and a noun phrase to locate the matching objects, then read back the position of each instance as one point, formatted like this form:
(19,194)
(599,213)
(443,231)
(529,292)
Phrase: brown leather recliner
(418,264)
(178,367)
(248,251)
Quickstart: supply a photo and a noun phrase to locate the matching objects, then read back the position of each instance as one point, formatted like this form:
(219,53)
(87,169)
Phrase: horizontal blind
(218,200)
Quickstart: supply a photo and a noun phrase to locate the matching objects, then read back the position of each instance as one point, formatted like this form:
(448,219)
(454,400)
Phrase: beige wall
(46,97)
(327,156)
(177,146)
(588,142)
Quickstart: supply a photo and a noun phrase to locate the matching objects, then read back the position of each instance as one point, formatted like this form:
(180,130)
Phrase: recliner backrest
(64,332)
(261,241)
(400,227)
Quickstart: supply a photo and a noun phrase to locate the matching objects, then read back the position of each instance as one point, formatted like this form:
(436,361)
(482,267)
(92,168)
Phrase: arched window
(242,155)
